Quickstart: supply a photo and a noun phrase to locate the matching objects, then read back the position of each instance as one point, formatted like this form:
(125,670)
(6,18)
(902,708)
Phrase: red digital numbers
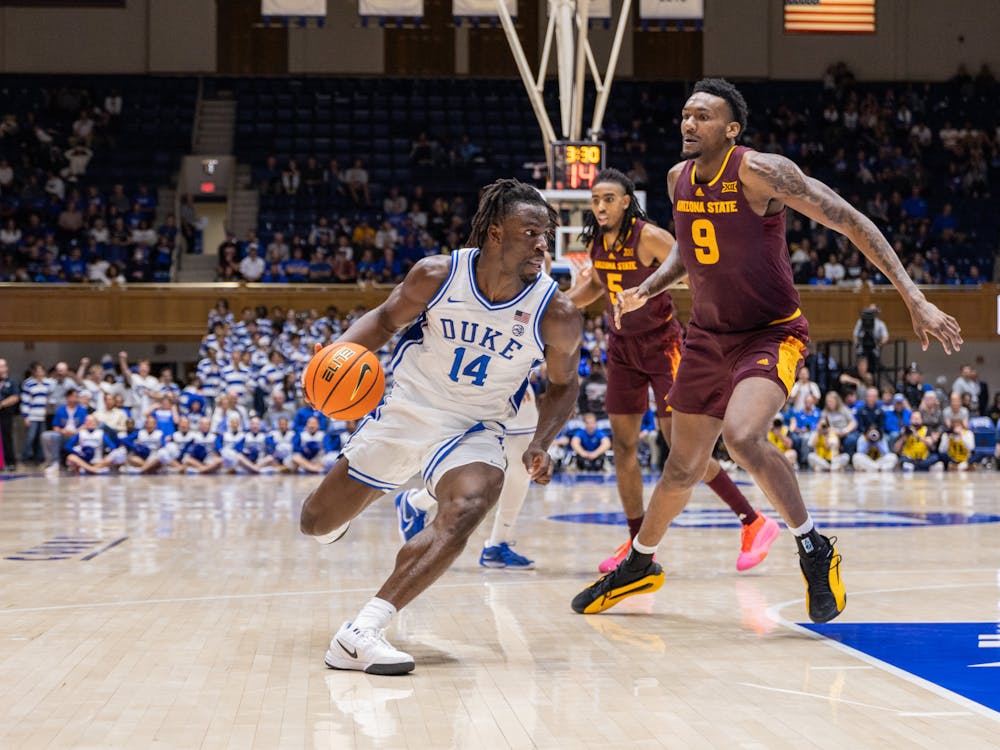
(581,176)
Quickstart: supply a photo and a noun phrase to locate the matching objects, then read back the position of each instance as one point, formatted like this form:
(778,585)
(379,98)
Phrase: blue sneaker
(502,556)
(411,520)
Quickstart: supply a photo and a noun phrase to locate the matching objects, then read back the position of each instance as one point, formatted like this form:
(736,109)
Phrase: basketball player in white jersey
(478,322)
(413,506)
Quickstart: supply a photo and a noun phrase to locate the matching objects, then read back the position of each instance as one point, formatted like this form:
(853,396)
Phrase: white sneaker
(52,470)
(366,650)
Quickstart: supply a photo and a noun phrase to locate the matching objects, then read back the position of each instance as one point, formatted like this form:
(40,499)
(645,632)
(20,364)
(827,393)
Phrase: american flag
(521,317)
(836,16)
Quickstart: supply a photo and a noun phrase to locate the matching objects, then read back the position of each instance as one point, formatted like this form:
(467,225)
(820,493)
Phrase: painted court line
(105,548)
(821,696)
(275,594)
(774,613)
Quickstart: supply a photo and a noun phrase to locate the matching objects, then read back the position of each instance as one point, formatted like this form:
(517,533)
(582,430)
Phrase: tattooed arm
(768,176)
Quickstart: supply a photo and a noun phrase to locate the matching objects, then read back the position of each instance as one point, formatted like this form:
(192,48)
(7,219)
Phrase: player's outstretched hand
(538,463)
(627,301)
(929,320)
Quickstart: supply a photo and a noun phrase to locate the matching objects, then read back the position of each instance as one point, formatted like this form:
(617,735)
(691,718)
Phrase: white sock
(804,528)
(515,490)
(642,548)
(332,536)
(422,500)
(375,614)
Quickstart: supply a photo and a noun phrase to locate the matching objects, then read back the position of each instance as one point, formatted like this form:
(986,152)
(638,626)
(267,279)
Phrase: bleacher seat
(986,438)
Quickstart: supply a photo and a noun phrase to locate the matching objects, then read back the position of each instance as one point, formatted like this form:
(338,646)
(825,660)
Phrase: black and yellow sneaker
(825,594)
(620,583)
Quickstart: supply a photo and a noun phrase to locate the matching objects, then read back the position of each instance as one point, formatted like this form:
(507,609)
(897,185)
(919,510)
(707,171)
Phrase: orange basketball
(344,381)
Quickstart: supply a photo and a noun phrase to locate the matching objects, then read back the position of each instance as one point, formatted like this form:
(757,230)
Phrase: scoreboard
(576,164)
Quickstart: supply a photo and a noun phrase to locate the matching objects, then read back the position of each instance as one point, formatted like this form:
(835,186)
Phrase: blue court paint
(5,477)
(58,548)
(600,478)
(963,657)
(723,518)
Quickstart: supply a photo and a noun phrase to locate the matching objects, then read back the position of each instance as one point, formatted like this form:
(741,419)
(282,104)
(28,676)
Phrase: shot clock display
(575,164)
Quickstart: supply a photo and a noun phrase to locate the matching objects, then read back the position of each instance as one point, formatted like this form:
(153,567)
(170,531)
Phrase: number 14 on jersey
(475,369)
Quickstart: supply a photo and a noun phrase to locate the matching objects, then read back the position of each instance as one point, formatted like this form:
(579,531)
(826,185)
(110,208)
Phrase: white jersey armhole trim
(542,307)
(447,282)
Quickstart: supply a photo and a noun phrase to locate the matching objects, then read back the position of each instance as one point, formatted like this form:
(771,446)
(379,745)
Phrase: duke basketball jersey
(469,355)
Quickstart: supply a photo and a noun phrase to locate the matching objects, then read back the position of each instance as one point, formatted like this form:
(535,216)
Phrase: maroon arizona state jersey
(619,270)
(737,262)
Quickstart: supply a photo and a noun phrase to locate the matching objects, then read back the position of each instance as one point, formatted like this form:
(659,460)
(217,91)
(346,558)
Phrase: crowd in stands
(352,248)
(241,409)
(920,159)
(57,224)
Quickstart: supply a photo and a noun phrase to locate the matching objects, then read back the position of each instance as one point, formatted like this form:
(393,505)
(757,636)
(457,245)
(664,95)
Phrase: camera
(824,426)
(874,436)
(777,424)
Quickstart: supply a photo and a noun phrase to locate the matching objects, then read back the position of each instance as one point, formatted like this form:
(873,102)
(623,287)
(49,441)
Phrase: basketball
(344,381)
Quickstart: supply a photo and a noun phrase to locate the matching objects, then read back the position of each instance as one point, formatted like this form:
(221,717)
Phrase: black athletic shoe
(619,584)
(825,594)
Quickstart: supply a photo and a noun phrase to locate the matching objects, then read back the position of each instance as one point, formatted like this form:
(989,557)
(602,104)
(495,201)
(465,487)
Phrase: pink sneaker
(616,558)
(756,540)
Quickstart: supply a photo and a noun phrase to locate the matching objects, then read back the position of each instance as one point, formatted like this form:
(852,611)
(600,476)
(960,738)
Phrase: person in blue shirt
(303,415)
(166,417)
(314,451)
(74,266)
(802,424)
(590,445)
(296,268)
(191,395)
(66,422)
(649,431)
(897,418)
(274,275)
(869,414)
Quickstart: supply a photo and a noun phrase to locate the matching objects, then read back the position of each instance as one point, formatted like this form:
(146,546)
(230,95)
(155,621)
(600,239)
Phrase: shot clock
(575,164)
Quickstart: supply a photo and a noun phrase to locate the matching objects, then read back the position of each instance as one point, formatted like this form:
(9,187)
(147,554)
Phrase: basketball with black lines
(344,381)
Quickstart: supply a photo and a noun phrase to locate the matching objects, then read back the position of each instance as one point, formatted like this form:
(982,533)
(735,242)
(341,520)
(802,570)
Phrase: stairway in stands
(214,126)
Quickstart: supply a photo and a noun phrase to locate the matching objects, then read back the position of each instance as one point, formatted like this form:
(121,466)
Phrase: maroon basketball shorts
(635,363)
(713,363)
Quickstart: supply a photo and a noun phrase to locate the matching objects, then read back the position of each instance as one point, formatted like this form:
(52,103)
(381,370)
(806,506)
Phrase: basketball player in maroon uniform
(747,333)
(625,250)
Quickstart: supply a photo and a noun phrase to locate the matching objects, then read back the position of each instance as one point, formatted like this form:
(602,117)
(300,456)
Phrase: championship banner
(671,10)
(391,8)
(830,16)
(480,8)
(310,8)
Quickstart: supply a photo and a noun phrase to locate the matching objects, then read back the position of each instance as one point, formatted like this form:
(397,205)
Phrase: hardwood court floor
(206,627)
